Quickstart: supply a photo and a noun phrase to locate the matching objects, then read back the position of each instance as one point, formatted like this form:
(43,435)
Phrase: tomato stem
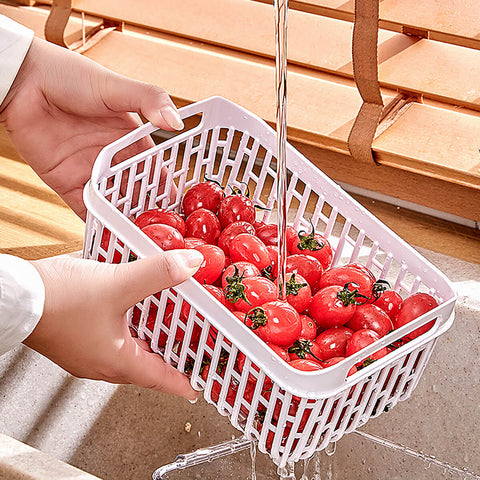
(257,316)
(235,289)
(213,181)
(378,288)
(301,348)
(347,296)
(308,240)
(293,286)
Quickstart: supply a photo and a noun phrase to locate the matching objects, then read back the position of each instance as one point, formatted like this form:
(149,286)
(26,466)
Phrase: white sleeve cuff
(15,40)
(22,296)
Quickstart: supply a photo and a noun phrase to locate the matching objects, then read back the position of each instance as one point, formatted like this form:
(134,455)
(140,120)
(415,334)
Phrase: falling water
(305,469)
(287,472)
(281,9)
(253,456)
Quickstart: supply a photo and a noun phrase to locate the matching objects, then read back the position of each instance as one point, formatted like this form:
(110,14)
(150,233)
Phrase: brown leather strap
(57,21)
(365,71)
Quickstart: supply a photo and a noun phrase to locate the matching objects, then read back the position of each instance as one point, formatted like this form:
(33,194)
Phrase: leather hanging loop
(57,21)
(365,72)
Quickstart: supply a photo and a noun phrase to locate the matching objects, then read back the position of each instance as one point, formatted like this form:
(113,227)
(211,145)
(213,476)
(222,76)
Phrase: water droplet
(331,448)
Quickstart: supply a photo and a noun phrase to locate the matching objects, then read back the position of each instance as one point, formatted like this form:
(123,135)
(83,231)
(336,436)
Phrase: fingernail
(190,259)
(172,117)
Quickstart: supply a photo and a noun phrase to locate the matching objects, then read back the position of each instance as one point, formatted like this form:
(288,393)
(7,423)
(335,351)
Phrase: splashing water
(253,456)
(429,459)
(287,472)
(331,448)
(305,469)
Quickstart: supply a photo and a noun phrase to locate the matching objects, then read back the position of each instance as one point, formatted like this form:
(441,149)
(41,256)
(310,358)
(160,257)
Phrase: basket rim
(292,380)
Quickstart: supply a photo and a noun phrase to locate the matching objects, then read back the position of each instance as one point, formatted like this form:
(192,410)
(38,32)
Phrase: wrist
(17,40)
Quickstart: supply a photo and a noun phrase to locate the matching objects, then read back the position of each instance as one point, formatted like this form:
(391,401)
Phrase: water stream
(287,472)
(281,9)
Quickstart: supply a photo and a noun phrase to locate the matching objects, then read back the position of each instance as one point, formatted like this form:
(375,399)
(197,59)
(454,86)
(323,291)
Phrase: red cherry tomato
(314,245)
(299,293)
(372,317)
(219,295)
(248,248)
(361,339)
(231,231)
(305,349)
(117,256)
(165,236)
(363,269)
(250,292)
(159,215)
(258,224)
(202,195)
(192,242)
(342,275)
(309,328)
(167,322)
(212,265)
(305,365)
(271,270)
(235,208)
(217,386)
(333,342)
(308,267)
(269,234)
(238,270)
(389,301)
(413,307)
(276,322)
(281,352)
(204,224)
(332,306)
(334,360)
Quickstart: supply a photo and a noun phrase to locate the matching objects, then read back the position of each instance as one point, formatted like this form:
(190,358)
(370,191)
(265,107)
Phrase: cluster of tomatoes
(329,312)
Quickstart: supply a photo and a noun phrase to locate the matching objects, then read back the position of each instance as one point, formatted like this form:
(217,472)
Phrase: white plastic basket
(231,145)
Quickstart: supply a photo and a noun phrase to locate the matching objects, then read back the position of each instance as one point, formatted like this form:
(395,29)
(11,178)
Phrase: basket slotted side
(236,148)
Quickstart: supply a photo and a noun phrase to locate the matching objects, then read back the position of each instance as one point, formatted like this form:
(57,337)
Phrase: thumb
(123,94)
(149,370)
(132,282)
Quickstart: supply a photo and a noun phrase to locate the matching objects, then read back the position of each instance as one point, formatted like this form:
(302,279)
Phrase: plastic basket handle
(102,165)
(336,377)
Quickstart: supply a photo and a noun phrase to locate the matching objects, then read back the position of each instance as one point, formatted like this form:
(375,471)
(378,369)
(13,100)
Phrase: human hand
(84,330)
(63,109)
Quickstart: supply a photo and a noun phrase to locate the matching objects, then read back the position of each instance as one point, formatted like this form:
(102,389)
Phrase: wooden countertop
(36,223)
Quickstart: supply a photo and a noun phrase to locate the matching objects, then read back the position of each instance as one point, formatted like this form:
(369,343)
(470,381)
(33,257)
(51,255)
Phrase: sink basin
(124,432)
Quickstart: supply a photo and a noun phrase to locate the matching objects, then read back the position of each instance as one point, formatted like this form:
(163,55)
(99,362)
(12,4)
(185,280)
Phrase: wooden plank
(444,71)
(320,112)
(435,140)
(431,192)
(450,21)
(438,143)
(314,41)
(423,231)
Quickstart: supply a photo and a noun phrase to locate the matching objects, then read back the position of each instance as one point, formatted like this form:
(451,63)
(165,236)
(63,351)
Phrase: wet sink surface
(126,433)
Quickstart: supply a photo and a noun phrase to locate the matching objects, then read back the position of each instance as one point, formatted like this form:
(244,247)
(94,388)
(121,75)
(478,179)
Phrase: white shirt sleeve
(15,40)
(22,296)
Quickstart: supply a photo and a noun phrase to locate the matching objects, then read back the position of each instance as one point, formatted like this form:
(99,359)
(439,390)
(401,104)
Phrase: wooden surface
(452,21)
(35,222)
(434,141)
